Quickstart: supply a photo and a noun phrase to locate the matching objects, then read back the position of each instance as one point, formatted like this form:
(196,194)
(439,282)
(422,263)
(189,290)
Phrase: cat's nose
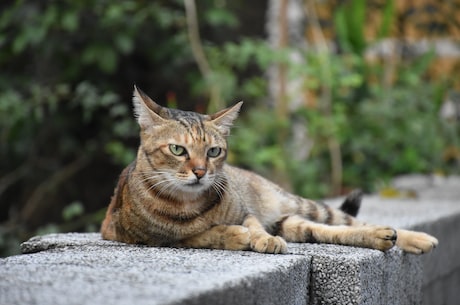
(199,172)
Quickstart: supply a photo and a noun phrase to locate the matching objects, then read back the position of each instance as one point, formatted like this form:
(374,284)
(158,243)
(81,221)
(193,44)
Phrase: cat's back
(258,195)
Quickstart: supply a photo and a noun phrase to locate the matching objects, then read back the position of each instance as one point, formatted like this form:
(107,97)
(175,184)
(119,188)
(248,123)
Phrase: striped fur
(180,192)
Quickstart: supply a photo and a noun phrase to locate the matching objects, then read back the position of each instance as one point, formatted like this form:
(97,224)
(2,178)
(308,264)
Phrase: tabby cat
(179,192)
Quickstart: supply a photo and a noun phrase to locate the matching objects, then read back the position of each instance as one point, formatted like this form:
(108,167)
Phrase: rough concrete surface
(84,269)
(436,211)
(347,275)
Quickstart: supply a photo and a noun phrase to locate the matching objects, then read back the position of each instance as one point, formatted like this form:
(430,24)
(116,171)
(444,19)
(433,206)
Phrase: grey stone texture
(84,269)
(436,211)
(77,268)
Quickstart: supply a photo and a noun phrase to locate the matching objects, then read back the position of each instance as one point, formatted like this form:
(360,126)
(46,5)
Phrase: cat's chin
(193,189)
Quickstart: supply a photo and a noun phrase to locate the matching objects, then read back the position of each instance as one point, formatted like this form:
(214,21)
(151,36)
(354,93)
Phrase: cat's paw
(415,242)
(266,243)
(237,238)
(381,238)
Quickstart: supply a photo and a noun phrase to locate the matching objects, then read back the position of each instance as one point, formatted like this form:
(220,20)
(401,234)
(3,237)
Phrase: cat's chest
(184,211)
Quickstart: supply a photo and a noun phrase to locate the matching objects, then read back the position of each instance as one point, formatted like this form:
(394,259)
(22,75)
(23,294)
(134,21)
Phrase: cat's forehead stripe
(177,114)
(193,127)
(192,122)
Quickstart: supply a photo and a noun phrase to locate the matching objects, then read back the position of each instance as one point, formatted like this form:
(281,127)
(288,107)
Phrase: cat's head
(181,151)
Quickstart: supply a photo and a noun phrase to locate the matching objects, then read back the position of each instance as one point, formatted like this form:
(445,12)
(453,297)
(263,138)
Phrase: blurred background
(338,95)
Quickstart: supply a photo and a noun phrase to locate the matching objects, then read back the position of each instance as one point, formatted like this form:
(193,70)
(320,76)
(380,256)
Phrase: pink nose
(199,172)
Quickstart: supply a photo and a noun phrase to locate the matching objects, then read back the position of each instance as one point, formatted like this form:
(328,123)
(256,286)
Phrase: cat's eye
(214,152)
(177,150)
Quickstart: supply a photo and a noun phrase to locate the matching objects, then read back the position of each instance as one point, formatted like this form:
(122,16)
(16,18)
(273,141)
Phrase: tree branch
(282,108)
(335,151)
(200,57)
(37,200)
(10,178)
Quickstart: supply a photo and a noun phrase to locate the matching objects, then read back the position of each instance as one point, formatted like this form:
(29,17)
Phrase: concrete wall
(441,278)
(83,269)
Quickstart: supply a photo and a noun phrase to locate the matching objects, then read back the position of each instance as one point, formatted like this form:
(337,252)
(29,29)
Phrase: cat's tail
(352,203)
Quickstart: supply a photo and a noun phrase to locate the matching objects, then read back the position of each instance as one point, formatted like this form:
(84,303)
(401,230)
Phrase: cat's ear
(224,118)
(146,111)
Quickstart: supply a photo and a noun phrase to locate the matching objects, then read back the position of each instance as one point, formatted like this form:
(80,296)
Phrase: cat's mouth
(196,185)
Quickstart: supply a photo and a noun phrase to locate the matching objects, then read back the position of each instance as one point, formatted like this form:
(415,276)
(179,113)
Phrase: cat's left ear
(224,118)
(147,112)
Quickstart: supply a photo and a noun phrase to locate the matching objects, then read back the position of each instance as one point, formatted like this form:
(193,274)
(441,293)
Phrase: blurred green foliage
(383,130)
(67,70)
(66,128)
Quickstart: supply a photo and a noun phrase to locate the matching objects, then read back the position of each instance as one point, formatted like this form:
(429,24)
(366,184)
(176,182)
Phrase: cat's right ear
(146,111)
(224,118)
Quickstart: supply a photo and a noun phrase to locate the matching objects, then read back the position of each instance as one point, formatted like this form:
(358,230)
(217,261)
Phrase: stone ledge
(436,211)
(83,269)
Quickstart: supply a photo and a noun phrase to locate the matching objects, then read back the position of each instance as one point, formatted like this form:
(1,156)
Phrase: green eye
(214,152)
(177,150)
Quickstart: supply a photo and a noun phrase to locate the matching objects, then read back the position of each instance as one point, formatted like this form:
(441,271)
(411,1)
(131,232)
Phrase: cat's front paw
(415,242)
(237,238)
(266,243)
(381,238)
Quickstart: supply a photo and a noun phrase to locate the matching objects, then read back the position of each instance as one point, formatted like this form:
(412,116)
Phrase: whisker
(165,188)
(160,183)
(219,186)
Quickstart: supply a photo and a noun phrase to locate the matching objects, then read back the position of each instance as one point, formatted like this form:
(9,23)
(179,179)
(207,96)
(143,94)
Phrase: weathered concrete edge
(381,276)
(320,274)
(436,212)
(55,241)
(441,276)
(289,286)
(285,283)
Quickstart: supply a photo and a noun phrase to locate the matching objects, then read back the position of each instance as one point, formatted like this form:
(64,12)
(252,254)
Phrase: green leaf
(220,17)
(124,43)
(120,154)
(70,21)
(356,21)
(341,28)
(108,63)
(349,21)
(102,55)
(351,80)
(387,19)
(73,210)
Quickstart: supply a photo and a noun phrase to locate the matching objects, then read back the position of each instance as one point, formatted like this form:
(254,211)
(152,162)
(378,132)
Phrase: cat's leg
(409,241)
(415,242)
(261,241)
(219,237)
(298,229)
